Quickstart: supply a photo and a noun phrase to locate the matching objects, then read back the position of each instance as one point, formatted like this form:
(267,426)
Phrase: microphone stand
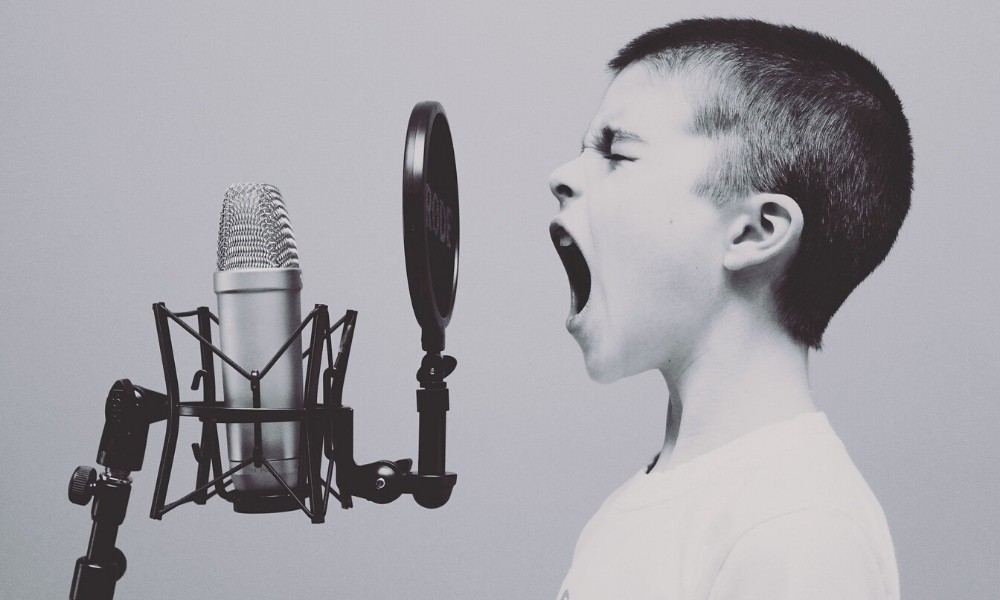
(129,410)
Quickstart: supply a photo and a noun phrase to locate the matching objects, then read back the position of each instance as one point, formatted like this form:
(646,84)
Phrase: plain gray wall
(122,125)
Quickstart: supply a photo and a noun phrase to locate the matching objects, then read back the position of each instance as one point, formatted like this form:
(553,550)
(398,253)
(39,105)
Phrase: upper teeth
(565,241)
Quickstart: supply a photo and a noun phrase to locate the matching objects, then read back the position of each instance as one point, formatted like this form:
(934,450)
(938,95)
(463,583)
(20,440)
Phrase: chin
(607,363)
(604,369)
(603,355)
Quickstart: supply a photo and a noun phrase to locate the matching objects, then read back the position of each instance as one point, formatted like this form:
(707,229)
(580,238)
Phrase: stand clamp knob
(81,485)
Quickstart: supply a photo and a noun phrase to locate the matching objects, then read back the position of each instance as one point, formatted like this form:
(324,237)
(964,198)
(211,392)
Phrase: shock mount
(327,432)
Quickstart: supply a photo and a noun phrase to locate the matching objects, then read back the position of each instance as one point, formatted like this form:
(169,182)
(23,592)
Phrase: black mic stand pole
(129,411)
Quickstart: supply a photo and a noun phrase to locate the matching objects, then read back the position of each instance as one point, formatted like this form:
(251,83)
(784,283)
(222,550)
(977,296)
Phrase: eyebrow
(603,140)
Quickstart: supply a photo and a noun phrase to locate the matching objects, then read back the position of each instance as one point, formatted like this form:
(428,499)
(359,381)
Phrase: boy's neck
(747,374)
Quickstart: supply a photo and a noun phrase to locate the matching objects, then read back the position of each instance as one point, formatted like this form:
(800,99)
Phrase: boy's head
(752,117)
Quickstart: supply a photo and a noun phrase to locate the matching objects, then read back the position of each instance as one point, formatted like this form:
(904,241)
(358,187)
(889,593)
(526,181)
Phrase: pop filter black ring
(430,221)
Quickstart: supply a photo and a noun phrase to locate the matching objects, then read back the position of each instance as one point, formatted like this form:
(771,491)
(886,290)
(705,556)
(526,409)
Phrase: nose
(566,182)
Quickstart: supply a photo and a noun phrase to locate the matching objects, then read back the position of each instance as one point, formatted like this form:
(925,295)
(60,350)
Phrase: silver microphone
(258,285)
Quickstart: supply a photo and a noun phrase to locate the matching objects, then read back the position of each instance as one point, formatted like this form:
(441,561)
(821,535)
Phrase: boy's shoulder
(781,468)
(806,507)
(793,466)
(785,493)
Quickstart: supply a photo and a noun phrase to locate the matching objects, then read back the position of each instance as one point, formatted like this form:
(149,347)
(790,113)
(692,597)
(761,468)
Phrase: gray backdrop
(122,125)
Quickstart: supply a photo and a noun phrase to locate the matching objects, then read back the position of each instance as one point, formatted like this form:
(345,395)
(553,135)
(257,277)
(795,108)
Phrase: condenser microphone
(258,285)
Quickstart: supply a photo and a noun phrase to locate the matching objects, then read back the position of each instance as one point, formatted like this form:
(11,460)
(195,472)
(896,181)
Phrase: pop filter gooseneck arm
(431,237)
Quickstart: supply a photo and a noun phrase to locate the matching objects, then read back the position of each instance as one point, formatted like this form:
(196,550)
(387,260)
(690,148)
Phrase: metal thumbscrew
(81,485)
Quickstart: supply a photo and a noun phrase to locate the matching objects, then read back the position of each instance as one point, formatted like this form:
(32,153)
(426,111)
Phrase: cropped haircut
(796,113)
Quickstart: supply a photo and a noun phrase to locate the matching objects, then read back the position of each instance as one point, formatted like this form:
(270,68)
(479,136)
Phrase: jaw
(586,330)
(588,320)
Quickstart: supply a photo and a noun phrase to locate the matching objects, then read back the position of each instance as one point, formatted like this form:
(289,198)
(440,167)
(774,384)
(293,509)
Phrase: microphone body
(258,286)
(258,310)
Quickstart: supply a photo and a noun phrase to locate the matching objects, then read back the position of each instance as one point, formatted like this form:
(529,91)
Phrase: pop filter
(430,221)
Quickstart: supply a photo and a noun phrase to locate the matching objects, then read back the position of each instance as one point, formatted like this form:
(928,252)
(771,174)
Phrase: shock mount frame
(327,430)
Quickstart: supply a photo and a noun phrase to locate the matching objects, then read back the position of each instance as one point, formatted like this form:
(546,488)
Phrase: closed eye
(616,158)
(603,141)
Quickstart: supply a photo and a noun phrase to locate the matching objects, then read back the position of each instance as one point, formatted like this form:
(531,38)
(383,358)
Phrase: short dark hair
(796,113)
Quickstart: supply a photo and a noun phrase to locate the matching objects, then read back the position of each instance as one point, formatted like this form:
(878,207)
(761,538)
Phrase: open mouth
(575,265)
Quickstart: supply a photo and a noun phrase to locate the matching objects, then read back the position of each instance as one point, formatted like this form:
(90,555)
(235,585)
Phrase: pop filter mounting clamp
(431,243)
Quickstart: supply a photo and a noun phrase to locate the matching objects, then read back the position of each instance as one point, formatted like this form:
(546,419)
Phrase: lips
(575,265)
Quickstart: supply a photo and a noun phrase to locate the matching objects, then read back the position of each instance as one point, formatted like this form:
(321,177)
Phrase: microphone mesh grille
(254,230)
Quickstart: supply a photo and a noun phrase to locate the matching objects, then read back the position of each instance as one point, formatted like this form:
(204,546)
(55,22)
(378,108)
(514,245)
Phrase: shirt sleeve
(813,554)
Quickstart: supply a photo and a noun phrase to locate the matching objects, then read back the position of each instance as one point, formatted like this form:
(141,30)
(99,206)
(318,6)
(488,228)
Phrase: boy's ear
(765,227)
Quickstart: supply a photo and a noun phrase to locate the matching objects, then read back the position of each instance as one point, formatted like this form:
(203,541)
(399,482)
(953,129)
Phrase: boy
(738,181)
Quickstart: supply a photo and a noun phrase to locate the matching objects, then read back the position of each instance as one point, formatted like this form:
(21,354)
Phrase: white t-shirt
(778,514)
